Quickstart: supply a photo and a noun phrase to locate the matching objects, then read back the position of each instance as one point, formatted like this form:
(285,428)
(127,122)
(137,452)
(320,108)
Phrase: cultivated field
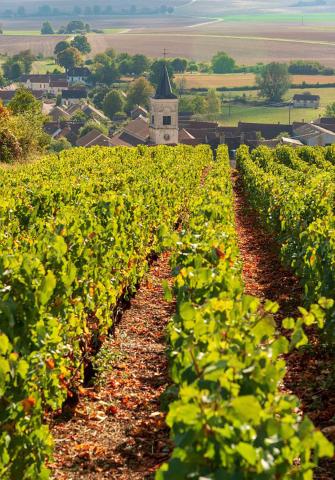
(249,46)
(15,43)
(199,80)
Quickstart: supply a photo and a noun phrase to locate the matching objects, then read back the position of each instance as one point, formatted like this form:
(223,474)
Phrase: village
(73,120)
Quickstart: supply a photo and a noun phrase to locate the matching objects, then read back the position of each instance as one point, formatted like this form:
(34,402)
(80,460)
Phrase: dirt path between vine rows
(118,431)
(310,372)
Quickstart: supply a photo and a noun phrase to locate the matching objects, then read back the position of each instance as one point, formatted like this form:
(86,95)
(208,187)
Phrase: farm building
(53,83)
(74,96)
(314,135)
(306,100)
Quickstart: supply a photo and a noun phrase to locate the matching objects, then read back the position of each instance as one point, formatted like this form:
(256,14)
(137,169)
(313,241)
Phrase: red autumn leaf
(111,410)
(28,404)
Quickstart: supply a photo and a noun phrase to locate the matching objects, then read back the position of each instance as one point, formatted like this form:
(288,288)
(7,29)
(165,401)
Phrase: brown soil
(117,430)
(310,372)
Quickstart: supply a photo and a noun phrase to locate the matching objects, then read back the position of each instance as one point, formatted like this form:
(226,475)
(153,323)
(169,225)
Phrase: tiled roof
(74,93)
(7,95)
(79,72)
(306,97)
(42,78)
(184,135)
(310,130)
(92,138)
(59,84)
(267,130)
(138,128)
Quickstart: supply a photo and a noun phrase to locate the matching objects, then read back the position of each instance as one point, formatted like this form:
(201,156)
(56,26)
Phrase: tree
(69,58)
(80,42)
(24,102)
(213,102)
(138,94)
(125,67)
(27,59)
(200,104)
(98,96)
(59,144)
(193,67)
(156,71)
(330,110)
(139,64)
(222,63)
(90,125)
(106,74)
(110,52)
(273,81)
(13,70)
(179,65)
(61,46)
(10,149)
(47,29)
(75,26)
(113,103)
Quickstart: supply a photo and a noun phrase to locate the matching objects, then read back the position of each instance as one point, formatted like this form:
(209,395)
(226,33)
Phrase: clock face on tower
(166,137)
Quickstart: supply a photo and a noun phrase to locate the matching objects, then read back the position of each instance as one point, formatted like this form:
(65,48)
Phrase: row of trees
(75,26)
(47,10)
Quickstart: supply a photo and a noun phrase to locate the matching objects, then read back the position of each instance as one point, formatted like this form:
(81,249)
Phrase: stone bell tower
(164,113)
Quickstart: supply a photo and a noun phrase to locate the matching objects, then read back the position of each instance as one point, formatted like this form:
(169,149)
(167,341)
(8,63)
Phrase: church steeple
(164,89)
(163,127)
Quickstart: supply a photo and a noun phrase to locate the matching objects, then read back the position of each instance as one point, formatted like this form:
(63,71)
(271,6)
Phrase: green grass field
(323,18)
(262,114)
(113,30)
(45,66)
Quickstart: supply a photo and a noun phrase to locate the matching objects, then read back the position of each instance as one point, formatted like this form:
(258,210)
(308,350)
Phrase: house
(94,138)
(73,96)
(314,135)
(7,95)
(92,112)
(135,133)
(58,113)
(136,112)
(326,122)
(78,75)
(306,100)
(57,86)
(41,81)
(64,129)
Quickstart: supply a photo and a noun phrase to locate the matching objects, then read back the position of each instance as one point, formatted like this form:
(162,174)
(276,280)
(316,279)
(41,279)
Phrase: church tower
(164,113)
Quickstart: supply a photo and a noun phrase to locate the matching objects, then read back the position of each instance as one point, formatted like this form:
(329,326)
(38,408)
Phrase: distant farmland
(37,44)
(198,80)
(202,46)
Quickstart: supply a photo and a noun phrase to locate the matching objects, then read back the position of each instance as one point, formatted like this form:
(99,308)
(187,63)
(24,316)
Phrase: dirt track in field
(118,431)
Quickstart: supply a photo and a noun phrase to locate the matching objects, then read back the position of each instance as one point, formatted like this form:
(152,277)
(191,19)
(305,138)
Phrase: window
(167,120)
